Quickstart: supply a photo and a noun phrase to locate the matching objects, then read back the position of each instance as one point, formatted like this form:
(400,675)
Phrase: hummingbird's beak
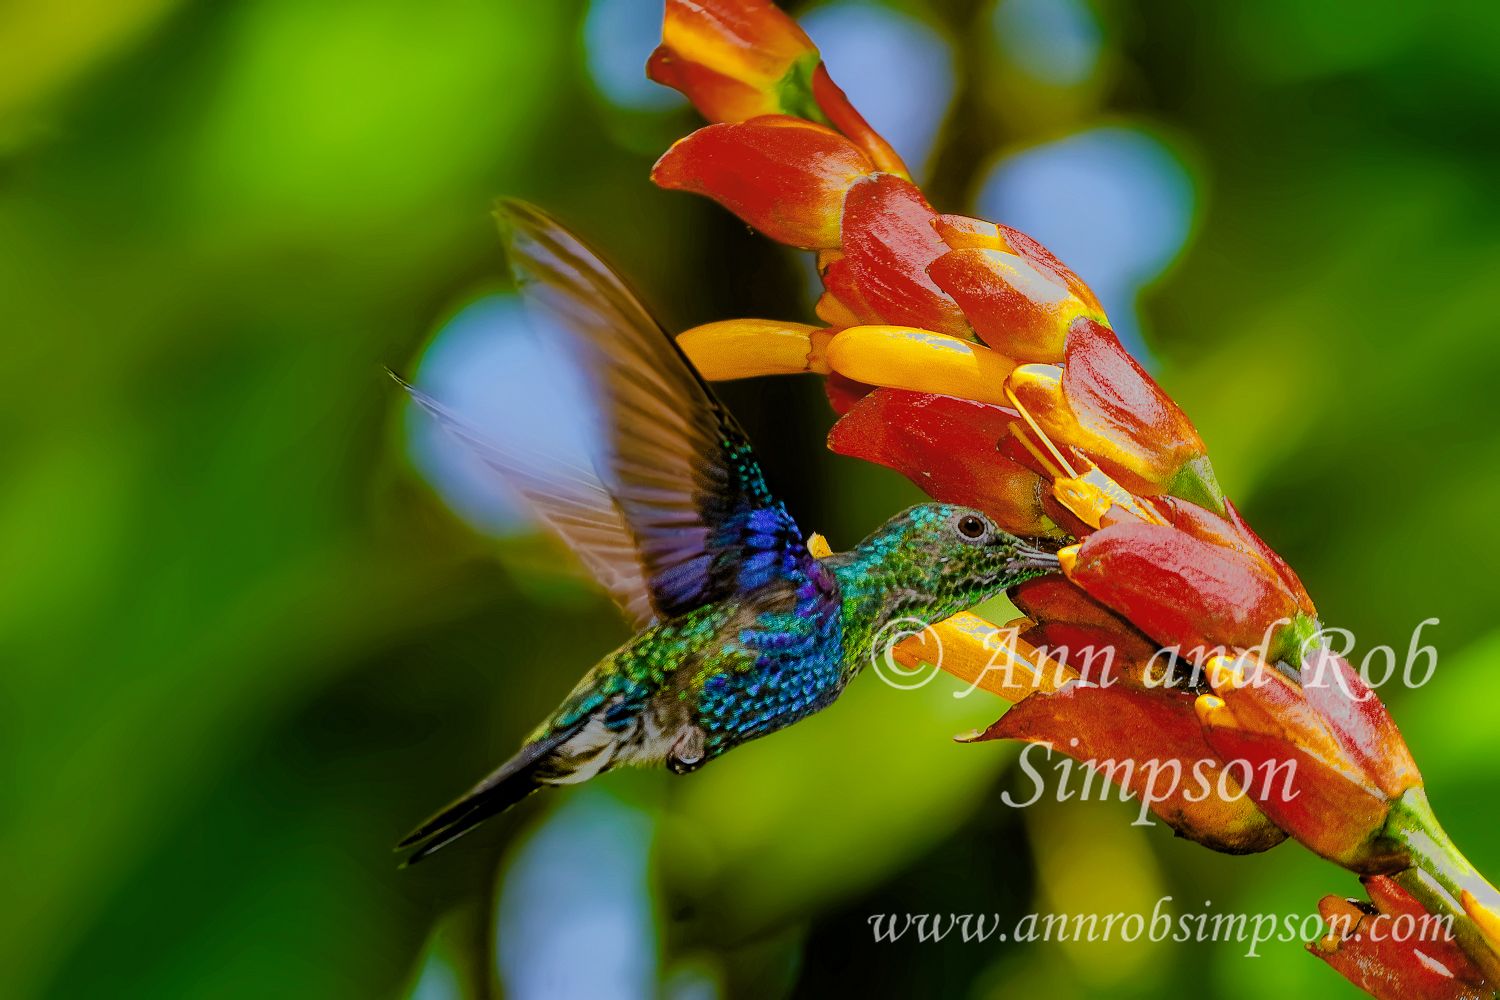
(1030,557)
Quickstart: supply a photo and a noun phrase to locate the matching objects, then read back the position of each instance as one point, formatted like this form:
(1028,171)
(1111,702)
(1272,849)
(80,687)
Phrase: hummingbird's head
(965,548)
(937,559)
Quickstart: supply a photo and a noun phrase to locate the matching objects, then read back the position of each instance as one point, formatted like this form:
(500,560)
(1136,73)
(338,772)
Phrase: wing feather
(677,513)
(678,466)
(568,499)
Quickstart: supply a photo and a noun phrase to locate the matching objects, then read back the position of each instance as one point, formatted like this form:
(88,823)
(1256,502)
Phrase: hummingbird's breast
(781,661)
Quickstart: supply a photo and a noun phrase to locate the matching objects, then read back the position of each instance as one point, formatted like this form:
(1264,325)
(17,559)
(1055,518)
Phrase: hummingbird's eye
(972,527)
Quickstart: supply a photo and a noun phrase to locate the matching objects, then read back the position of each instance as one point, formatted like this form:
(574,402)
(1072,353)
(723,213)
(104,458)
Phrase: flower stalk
(1470,896)
(964,355)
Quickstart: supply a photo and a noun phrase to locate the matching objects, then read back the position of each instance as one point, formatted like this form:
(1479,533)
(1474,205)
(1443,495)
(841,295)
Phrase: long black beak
(1030,556)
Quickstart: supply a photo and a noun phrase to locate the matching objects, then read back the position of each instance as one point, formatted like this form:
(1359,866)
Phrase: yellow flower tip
(963,233)
(1223,672)
(817,546)
(1484,916)
(1041,379)
(1328,943)
(1212,711)
(986,657)
(969,737)
(1067,557)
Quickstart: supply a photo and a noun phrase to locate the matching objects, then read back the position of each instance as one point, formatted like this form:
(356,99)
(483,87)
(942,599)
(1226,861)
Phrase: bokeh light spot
(896,70)
(490,366)
(1055,41)
(618,37)
(575,916)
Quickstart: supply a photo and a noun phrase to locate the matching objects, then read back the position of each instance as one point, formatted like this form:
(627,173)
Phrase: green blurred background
(254,625)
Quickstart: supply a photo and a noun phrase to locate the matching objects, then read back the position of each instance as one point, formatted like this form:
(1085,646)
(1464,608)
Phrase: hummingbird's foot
(688,752)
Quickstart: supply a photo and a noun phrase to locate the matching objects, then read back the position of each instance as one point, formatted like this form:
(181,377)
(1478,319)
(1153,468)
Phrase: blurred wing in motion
(677,465)
(569,500)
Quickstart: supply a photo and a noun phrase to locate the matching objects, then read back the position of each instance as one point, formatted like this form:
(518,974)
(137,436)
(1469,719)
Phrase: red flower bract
(1183,591)
(1150,743)
(1393,953)
(737,59)
(945,446)
(1359,723)
(1076,629)
(782,175)
(843,393)
(1013,304)
(1105,404)
(1232,532)
(1112,396)
(1340,759)
(889,242)
(962,232)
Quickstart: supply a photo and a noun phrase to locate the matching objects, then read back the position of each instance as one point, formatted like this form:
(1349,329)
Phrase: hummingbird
(741,631)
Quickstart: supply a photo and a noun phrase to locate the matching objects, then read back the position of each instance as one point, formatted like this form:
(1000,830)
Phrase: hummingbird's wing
(703,523)
(568,499)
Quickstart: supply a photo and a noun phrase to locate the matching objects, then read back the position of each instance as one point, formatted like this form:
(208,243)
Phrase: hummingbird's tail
(509,784)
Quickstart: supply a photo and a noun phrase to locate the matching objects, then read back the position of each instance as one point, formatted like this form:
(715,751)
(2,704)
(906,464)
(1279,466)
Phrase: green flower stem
(1413,824)
(1435,900)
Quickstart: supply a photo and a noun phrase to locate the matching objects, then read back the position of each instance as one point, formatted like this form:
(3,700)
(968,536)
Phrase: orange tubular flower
(1330,760)
(784,176)
(944,446)
(735,59)
(1393,949)
(984,655)
(1150,743)
(745,348)
(1105,404)
(920,360)
(889,242)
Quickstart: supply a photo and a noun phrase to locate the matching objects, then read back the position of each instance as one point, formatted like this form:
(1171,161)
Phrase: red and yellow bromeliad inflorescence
(966,356)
